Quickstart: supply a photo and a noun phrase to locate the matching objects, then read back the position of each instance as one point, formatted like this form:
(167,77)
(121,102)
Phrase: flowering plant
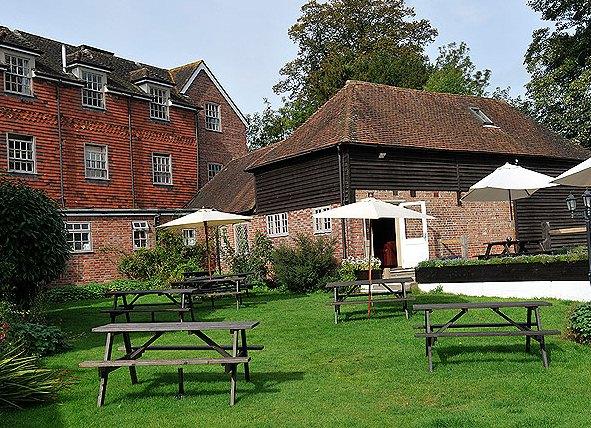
(361,263)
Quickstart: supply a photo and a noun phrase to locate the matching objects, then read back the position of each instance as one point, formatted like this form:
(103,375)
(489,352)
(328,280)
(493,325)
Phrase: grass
(314,373)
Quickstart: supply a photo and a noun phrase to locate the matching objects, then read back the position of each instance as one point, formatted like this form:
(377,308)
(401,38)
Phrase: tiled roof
(121,73)
(375,114)
(232,189)
(183,73)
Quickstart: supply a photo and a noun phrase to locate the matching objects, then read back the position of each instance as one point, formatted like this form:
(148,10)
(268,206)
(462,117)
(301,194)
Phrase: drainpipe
(341,178)
(61,144)
(197,146)
(133,201)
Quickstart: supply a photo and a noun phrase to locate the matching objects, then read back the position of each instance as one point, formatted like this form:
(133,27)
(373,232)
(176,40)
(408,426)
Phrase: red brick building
(414,148)
(116,143)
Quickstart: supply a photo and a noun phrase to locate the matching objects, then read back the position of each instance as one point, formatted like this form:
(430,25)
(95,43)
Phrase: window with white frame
(486,121)
(96,161)
(212,117)
(162,169)
(19,75)
(213,169)
(79,237)
(159,103)
(321,225)
(189,238)
(277,225)
(21,153)
(93,94)
(140,234)
(241,238)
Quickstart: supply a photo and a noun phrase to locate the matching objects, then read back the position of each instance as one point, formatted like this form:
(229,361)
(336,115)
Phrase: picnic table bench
(345,292)
(179,301)
(513,247)
(527,328)
(217,286)
(229,360)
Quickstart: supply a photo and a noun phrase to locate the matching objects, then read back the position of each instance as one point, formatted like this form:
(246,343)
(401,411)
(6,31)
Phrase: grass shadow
(495,353)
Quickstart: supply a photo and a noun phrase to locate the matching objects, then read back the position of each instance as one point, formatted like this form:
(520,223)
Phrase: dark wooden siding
(307,182)
(403,169)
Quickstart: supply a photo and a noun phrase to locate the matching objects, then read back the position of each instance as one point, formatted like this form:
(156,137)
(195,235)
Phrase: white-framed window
(321,225)
(213,169)
(161,168)
(21,153)
(277,225)
(140,234)
(93,92)
(79,237)
(212,117)
(96,160)
(241,238)
(159,104)
(18,77)
(189,238)
(486,121)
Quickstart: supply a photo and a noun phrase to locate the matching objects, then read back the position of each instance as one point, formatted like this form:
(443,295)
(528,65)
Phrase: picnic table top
(477,305)
(147,292)
(200,279)
(156,327)
(340,284)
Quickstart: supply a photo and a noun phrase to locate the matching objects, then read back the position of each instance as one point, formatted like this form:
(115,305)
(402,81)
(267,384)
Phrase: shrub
(33,241)
(165,262)
(351,265)
(255,262)
(580,324)
(73,293)
(38,339)
(306,266)
(23,382)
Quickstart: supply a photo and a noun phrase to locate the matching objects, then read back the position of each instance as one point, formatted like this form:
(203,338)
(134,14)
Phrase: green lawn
(315,373)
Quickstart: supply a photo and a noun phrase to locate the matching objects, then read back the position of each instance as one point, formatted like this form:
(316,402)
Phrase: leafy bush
(165,262)
(351,265)
(38,339)
(33,241)
(306,266)
(73,293)
(23,382)
(571,256)
(580,324)
(255,262)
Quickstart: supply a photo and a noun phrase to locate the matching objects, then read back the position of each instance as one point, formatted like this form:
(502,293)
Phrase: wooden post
(207,249)
(181,383)
(541,338)
(370,269)
(233,367)
(528,338)
(429,340)
(129,350)
(104,372)
(244,353)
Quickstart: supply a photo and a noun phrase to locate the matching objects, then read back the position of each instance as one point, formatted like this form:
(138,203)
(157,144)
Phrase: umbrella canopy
(507,183)
(370,209)
(205,217)
(578,176)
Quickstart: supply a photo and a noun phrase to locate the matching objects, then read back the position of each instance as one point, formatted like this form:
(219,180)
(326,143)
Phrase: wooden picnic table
(216,287)
(513,247)
(345,293)
(179,301)
(229,356)
(527,328)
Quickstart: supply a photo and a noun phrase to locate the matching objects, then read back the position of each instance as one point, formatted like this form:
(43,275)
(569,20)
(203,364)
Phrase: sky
(245,43)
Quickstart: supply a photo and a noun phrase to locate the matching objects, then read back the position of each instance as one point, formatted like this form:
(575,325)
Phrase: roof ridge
(193,63)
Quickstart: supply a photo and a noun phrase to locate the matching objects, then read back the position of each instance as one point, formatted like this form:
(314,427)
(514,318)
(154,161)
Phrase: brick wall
(216,147)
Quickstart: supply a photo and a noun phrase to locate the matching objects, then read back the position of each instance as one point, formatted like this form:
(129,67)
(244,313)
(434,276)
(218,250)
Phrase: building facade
(118,144)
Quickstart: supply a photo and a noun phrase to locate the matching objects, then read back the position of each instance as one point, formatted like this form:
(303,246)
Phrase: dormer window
(19,74)
(486,121)
(212,117)
(93,92)
(159,104)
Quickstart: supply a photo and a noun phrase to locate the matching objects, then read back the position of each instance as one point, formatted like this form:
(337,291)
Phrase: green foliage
(352,265)
(255,262)
(33,242)
(572,256)
(38,339)
(455,73)
(306,266)
(165,262)
(74,293)
(266,127)
(23,382)
(559,62)
(580,324)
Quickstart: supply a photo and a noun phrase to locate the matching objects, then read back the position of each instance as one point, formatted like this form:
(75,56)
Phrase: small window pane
(159,103)
(322,225)
(213,169)
(93,94)
(21,154)
(212,117)
(161,168)
(18,75)
(140,234)
(277,225)
(79,237)
(96,162)
(189,237)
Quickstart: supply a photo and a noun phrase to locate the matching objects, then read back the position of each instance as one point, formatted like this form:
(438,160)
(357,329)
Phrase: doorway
(384,241)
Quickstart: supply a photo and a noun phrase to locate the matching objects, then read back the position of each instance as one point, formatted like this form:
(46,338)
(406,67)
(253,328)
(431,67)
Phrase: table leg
(237,295)
(115,301)
(336,307)
(541,338)
(129,350)
(244,353)
(233,367)
(183,305)
(190,298)
(528,338)
(104,373)
(125,306)
(404,302)
(429,340)
(181,383)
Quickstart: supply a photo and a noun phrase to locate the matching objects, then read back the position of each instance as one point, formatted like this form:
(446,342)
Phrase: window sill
(324,232)
(82,252)
(93,108)
(24,174)
(214,130)
(25,97)
(282,235)
(98,180)
(161,121)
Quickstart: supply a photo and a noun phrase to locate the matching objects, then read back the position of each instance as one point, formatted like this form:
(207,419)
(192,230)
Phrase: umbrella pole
(207,249)
(217,250)
(510,206)
(369,270)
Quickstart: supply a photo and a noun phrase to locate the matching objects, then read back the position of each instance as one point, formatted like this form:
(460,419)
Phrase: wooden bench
(125,302)
(431,332)
(113,313)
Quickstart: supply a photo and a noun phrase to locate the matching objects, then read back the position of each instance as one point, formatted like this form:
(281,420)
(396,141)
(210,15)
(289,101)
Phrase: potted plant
(357,268)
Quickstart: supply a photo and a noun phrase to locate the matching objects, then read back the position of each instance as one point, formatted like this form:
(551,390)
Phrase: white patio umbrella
(578,176)
(205,217)
(508,183)
(370,209)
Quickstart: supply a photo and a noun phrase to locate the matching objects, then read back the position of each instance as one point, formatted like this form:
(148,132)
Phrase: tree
(373,40)
(33,242)
(455,73)
(266,127)
(559,61)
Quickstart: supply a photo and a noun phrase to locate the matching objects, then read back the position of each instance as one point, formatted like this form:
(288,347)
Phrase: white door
(413,239)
